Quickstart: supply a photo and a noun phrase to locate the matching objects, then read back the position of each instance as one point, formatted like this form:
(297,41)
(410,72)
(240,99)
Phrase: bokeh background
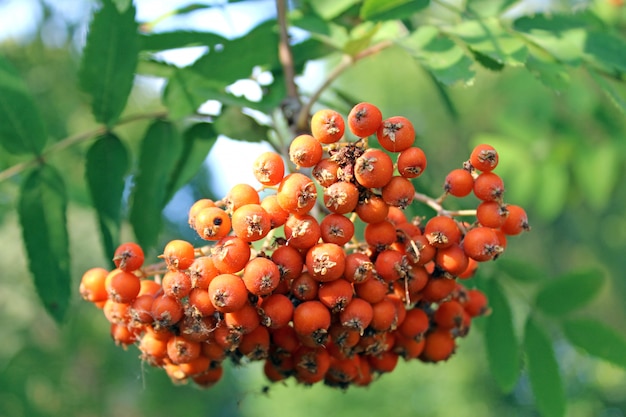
(562,157)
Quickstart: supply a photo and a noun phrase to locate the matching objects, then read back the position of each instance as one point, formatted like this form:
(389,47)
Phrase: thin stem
(435,205)
(73,139)
(346,62)
(284,52)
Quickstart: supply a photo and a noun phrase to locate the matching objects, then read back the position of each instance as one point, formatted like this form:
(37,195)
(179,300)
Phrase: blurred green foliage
(558,125)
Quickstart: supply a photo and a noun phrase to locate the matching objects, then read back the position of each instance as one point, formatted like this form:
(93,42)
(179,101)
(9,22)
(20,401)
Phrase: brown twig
(435,205)
(292,104)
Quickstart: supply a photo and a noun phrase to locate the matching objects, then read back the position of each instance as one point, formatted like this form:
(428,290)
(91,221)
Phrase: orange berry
(256,344)
(243,320)
(212,223)
(178,254)
(230,254)
(326,261)
(251,222)
(436,289)
(449,315)
(228,293)
(337,229)
(240,195)
(269,168)
(128,257)
(398,192)
(197,207)
(459,182)
(415,324)
(372,209)
(411,162)
(304,287)
(311,364)
(325,172)
(297,193)
(396,134)
(491,214)
(488,186)
(452,259)
(391,265)
(202,271)
(516,221)
(481,244)
(311,319)
(364,119)
(439,346)
(92,286)
(176,284)
(199,302)
(380,234)
(475,303)
(442,231)
(276,311)
(289,262)
(359,268)
(278,216)
(302,231)
(327,126)
(122,286)
(261,276)
(372,290)
(341,197)
(305,151)
(384,316)
(166,310)
(181,350)
(335,294)
(373,169)
(484,157)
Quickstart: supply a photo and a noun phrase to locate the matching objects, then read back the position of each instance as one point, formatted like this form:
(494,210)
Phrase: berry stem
(346,62)
(435,205)
(73,139)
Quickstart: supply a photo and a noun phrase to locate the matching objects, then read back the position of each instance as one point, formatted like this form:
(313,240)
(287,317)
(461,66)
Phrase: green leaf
(391,9)
(160,149)
(503,351)
(107,163)
(360,38)
(197,143)
(606,51)
(109,61)
(330,9)
(522,271)
(237,125)
(21,127)
(551,74)
(543,371)
(42,210)
(486,61)
(597,339)
(440,55)
(569,292)
(179,39)
(488,37)
(237,58)
(609,90)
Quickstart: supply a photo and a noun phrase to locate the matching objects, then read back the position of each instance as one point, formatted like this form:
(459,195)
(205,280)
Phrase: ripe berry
(277,215)
(276,311)
(476,303)
(289,262)
(302,231)
(488,186)
(311,319)
(335,294)
(166,311)
(484,158)
(449,315)
(359,268)
(269,168)
(396,134)
(373,169)
(197,207)
(239,195)
(326,261)
(228,293)
(380,234)
(442,231)
(364,119)
(305,151)
(243,320)
(459,182)
(327,126)
(481,244)
(415,324)
(337,229)
(491,214)
(212,223)
(230,254)
(92,286)
(297,193)
(411,162)
(439,346)
(251,222)
(372,209)
(516,222)
(261,276)
(176,284)
(128,257)
(122,286)
(341,197)
(398,192)
(178,254)
(452,259)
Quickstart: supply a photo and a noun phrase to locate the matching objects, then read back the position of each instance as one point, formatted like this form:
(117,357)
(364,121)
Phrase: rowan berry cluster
(287,279)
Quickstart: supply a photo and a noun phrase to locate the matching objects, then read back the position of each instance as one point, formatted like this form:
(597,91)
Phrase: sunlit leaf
(569,292)
(237,125)
(160,150)
(107,163)
(362,40)
(503,350)
(551,194)
(179,39)
(109,61)
(543,371)
(440,55)
(21,127)
(606,51)
(42,209)
(330,9)
(597,339)
(391,9)
(197,143)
